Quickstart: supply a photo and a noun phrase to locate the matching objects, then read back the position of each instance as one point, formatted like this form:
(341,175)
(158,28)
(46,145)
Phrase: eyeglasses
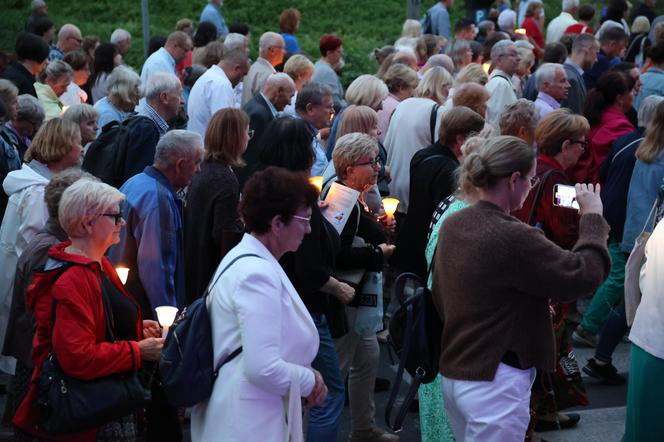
(582,143)
(250,133)
(117,217)
(375,162)
(534,181)
(79,40)
(306,219)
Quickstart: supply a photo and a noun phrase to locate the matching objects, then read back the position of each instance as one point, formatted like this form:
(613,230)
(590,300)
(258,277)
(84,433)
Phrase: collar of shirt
(275,112)
(167,56)
(41,168)
(152,114)
(548,99)
(574,65)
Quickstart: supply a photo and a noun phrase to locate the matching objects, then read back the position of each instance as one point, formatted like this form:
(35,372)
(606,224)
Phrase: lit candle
(486,67)
(166,316)
(520,31)
(123,273)
(64,109)
(390,206)
(317,182)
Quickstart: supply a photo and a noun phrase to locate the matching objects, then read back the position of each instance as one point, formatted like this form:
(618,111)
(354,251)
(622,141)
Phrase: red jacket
(613,125)
(560,224)
(534,31)
(78,337)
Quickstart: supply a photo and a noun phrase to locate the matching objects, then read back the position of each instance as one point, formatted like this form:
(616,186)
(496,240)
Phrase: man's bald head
(279,88)
(69,38)
(442,60)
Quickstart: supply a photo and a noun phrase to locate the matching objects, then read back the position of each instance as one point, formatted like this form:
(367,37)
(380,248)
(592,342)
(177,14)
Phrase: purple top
(545,104)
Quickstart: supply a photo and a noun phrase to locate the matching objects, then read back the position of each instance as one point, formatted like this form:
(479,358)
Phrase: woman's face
(364,173)
(522,187)
(245,137)
(88,130)
(12,109)
(59,85)
(105,229)
(81,76)
(75,155)
(295,229)
(374,132)
(303,79)
(117,60)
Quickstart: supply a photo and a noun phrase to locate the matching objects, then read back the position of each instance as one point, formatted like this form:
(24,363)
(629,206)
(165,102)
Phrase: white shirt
(557,27)
(159,61)
(213,91)
(502,94)
(73,95)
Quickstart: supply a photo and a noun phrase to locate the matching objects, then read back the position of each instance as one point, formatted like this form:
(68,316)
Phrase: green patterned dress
(434,426)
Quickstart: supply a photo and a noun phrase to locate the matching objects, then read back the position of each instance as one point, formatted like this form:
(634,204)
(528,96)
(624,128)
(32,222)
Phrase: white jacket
(254,305)
(25,216)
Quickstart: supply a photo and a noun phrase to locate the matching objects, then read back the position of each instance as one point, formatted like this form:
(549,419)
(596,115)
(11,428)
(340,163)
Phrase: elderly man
(583,56)
(520,120)
(178,44)
(31,59)
(163,97)
(315,105)
(39,10)
(505,60)
(442,60)
(566,18)
(325,69)
(440,18)
(122,40)
(214,90)
(271,48)
(262,109)
(69,39)
(212,13)
(553,87)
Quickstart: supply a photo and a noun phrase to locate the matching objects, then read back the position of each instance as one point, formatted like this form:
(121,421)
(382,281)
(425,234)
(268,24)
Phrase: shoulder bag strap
(638,140)
(538,195)
(432,122)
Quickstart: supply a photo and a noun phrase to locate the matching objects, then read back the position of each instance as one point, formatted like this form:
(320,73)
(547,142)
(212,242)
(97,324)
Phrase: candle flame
(317,182)
(390,205)
(123,274)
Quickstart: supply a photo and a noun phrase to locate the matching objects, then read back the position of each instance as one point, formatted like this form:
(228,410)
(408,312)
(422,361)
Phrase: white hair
(280,79)
(500,49)
(57,69)
(85,198)
(546,73)
(120,35)
(160,82)
(67,31)
(30,108)
(268,40)
(411,28)
(177,144)
(568,5)
(121,83)
(234,41)
(647,109)
(507,19)
(36,4)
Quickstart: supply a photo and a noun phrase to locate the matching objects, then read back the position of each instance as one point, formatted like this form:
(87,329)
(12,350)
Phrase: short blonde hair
(367,90)
(298,65)
(472,73)
(640,25)
(121,86)
(411,28)
(349,149)
(527,57)
(79,113)
(357,119)
(83,200)
(400,76)
(53,141)
(435,85)
(558,126)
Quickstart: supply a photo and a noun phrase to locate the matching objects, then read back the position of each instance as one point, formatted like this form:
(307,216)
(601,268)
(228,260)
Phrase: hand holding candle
(166,316)
(520,31)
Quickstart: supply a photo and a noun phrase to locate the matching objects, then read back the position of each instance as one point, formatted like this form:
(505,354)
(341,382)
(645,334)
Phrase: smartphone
(565,196)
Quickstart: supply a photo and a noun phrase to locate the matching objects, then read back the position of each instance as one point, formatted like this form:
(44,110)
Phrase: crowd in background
(197,176)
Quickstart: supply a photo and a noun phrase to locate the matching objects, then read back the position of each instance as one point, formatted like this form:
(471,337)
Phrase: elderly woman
(86,117)
(254,306)
(519,119)
(311,270)
(560,138)
(55,79)
(365,90)
(300,69)
(122,98)
(473,96)
(75,94)
(106,59)
(414,126)
(461,53)
(212,200)
(401,82)
(28,119)
(356,163)
(86,286)
(57,146)
(488,369)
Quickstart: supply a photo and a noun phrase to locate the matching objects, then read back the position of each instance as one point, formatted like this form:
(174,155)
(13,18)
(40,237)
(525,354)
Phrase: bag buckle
(63,386)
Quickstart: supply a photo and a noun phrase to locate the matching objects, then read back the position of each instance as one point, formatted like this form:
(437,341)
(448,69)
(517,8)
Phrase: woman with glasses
(560,138)
(81,282)
(214,226)
(364,246)
(493,297)
(254,307)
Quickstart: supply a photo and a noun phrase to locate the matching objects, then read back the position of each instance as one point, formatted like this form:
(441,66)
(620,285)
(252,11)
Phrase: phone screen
(565,196)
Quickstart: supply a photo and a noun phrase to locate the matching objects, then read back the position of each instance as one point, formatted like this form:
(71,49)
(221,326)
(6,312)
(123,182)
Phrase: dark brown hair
(223,135)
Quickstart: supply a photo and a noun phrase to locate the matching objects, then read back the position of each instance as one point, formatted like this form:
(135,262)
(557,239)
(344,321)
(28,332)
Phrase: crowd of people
(208,173)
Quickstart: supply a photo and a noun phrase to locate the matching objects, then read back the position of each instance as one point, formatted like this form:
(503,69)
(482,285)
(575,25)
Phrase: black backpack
(106,156)
(415,332)
(186,364)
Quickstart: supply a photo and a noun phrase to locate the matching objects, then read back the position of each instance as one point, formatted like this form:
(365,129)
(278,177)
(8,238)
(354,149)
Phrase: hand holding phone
(565,196)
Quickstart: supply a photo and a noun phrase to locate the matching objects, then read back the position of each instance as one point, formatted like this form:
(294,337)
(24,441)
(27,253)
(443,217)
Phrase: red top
(180,67)
(78,336)
(534,31)
(613,125)
(578,28)
(560,224)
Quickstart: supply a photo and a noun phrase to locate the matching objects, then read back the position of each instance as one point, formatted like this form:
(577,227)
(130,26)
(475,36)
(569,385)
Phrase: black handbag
(71,405)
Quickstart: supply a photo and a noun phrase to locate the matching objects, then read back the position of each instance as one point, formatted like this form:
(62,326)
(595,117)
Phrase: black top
(142,144)
(432,178)
(212,224)
(260,116)
(124,311)
(21,77)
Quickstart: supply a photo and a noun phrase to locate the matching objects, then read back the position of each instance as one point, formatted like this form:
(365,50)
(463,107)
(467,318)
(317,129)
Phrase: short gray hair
(349,149)
(36,4)
(82,200)
(458,50)
(568,5)
(120,35)
(367,90)
(280,79)
(30,109)
(268,40)
(313,93)
(647,109)
(440,60)
(80,112)
(57,69)
(121,83)
(160,82)
(500,49)
(67,31)
(546,73)
(521,113)
(235,41)
(506,19)
(177,144)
